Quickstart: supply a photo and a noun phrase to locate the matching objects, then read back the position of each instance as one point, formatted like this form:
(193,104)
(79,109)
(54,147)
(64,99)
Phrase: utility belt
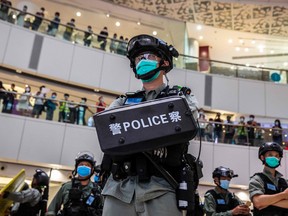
(141,166)
(138,165)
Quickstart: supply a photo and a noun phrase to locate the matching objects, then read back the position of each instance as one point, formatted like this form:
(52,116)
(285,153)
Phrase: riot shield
(145,126)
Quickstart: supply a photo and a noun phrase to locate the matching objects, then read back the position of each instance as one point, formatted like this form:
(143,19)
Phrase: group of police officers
(140,183)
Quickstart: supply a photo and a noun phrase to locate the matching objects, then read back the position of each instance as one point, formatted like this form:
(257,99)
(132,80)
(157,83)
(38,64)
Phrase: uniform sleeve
(117,103)
(256,186)
(210,207)
(30,195)
(56,203)
(193,104)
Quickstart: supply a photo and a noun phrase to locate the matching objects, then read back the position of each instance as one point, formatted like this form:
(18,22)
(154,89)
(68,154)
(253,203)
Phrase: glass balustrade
(80,113)
(83,37)
(241,134)
(66,111)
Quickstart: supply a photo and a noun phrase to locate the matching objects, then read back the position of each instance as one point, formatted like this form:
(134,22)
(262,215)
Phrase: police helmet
(270,146)
(146,43)
(41,178)
(224,172)
(85,156)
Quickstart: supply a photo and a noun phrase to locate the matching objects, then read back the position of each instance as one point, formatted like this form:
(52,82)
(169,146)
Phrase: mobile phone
(248,203)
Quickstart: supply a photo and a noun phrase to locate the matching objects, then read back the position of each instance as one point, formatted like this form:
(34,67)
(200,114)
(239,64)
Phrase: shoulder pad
(260,175)
(121,96)
(210,192)
(133,94)
(66,183)
(173,91)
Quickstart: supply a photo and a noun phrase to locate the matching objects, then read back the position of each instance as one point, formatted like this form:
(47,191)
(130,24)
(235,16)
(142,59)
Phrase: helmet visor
(225,172)
(143,40)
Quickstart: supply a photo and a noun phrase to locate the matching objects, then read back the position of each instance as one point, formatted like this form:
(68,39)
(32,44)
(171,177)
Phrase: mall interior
(233,56)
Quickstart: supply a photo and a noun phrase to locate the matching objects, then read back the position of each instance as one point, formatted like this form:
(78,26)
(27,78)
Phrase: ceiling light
(247,64)
(257,65)
(18,71)
(138,23)
(201,37)
(230,41)
(14,16)
(117,23)
(241,41)
(107,15)
(237,49)
(78,14)
(261,50)
(154,33)
(285,64)
(199,27)
(272,51)
(253,41)
(246,49)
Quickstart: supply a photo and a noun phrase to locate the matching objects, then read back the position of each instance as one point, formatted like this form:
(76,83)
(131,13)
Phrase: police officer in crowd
(268,190)
(135,186)
(33,201)
(220,201)
(80,196)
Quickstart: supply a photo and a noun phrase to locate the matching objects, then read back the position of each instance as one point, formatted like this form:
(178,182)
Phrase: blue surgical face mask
(224,184)
(83,171)
(145,66)
(272,162)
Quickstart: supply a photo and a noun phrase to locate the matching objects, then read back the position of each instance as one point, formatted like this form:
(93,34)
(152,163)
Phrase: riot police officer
(33,201)
(80,196)
(268,190)
(219,201)
(136,186)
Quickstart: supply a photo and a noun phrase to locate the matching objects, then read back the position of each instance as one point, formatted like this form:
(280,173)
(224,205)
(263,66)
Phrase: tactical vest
(78,205)
(221,204)
(137,164)
(270,189)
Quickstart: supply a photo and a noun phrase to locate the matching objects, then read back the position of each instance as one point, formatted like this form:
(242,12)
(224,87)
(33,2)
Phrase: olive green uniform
(210,204)
(155,197)
(62,197)
(256,184)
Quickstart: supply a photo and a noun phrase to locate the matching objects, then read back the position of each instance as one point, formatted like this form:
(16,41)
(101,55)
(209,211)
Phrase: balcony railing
(117,46)
(241,133)
(210,131)
(65,111)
